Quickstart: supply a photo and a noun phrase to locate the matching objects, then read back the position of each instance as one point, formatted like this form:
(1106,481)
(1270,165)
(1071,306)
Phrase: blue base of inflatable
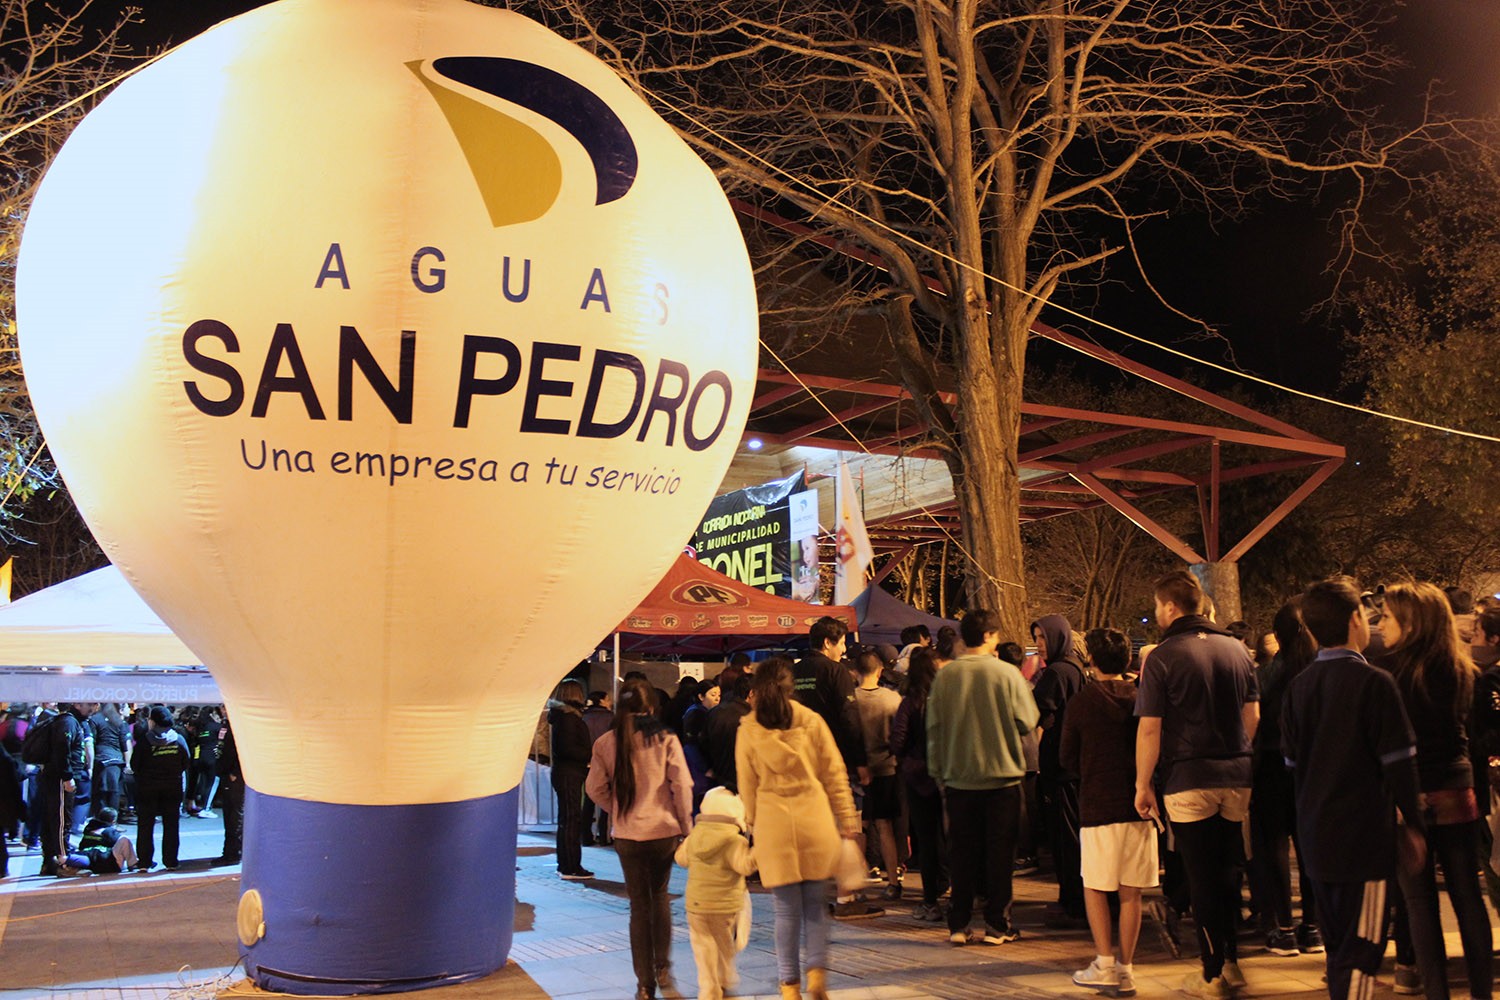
(379,899)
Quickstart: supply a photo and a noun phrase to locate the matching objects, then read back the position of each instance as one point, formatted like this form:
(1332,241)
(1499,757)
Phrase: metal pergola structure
(1070,459)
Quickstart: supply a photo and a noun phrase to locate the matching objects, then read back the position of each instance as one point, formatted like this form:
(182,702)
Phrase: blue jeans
(801,917)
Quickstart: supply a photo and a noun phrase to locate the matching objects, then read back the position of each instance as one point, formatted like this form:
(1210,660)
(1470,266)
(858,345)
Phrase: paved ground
(170,936)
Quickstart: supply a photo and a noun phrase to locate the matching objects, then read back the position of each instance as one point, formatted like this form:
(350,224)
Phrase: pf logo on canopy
(518,173)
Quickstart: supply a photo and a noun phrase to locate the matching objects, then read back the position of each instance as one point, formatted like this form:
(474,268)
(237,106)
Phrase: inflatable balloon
(391,350)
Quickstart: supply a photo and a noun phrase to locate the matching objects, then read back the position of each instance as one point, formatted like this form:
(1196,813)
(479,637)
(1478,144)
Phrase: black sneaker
(1282,942)
(857,909)
(1310,939)
(579,875)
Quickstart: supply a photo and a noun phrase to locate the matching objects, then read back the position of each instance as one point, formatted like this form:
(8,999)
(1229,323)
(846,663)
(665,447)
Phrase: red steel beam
(1305,443)
(1274,518)
(1177,385)
(774,396)
(1265,468)
(1115,472)
(853,412)
(1088,440)
(1139,518)
(1211,527)
(1253,438)
(891,564)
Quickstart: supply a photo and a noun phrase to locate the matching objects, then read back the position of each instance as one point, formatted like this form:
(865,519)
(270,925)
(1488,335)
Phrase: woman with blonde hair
(800,810)
(1435,675)
(639,776)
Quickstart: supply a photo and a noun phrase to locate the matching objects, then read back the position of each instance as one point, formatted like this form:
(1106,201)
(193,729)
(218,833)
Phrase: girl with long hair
(571,749)
(923,799)
(799,807)
(1435,675)
(639,776)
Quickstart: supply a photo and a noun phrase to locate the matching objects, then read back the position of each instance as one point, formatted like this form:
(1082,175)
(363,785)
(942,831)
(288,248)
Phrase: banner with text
(764,536)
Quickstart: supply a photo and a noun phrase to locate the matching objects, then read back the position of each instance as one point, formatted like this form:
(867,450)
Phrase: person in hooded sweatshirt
(159,760)
(1118,847)
(1055,686)
(717,857)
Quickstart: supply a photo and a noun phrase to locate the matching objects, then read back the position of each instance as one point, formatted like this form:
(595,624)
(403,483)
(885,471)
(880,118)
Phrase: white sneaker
(1097,977)
(1233,977)
(207,814)
(1127,981)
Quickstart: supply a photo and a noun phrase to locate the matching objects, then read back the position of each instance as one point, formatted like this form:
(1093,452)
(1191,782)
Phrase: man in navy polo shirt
(1199,706)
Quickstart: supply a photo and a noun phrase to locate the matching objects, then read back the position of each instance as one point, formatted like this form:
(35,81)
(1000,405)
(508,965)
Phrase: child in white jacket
(717,857)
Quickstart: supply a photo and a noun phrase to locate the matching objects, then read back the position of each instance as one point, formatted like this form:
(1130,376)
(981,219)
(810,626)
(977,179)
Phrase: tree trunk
(987,488)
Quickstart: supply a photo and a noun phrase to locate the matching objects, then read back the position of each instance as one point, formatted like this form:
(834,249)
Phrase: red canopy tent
(698,610)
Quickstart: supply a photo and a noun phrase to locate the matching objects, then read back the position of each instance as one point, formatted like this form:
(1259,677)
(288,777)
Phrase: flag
(853,544)
(5,573)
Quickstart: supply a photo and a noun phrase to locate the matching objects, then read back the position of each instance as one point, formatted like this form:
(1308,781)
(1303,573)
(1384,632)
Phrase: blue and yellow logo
(518,173)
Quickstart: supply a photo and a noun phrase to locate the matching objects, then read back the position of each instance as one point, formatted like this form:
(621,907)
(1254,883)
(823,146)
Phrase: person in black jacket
(1056,684)
(826,686)
(159,760)
(12,808)
(66,766)
(109,758)
(233,783)
(572,748)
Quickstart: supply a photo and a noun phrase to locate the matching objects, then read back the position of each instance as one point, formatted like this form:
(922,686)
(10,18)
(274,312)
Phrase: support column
(1221,581)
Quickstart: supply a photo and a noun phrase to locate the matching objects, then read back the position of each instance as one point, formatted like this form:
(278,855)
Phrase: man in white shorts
(1118,846)
(1199,707)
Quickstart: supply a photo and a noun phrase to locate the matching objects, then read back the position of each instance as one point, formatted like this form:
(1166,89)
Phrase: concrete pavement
(170,935)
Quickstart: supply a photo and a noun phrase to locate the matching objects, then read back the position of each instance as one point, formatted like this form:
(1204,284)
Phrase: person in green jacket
(977,712)
(717,857)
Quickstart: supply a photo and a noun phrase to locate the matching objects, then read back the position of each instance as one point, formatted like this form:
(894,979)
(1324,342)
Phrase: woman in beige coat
(799,807)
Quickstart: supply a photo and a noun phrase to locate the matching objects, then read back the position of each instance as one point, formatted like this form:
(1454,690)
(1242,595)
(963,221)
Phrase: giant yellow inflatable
(391,350)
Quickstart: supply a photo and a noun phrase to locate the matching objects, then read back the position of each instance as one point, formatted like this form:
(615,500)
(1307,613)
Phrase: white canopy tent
(109,645)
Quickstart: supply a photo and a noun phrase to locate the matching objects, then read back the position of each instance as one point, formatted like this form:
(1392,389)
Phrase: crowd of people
(1355,735)
(72,774)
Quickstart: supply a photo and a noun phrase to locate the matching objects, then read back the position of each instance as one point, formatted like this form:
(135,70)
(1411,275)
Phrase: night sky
(1255,280)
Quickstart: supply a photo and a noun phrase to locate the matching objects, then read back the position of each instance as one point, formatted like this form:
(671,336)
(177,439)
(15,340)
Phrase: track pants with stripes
(1352,918)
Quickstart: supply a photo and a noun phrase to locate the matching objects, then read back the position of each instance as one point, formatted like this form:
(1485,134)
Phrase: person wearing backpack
(158,760)
(57,743)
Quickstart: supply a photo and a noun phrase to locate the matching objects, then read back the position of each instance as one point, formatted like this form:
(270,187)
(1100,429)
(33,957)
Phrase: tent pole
(614,688)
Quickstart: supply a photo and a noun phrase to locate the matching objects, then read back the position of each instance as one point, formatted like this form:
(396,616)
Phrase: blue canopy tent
(882,616)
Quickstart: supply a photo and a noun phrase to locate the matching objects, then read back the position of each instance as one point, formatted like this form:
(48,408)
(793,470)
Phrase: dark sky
(1255,280)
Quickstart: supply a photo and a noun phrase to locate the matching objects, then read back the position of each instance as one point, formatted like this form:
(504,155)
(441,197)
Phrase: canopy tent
(695,610)
(91,620)
(882,616)
(110,645)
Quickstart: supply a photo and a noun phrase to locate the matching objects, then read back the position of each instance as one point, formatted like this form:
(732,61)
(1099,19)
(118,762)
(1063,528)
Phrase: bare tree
(51,59)
(994,155)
